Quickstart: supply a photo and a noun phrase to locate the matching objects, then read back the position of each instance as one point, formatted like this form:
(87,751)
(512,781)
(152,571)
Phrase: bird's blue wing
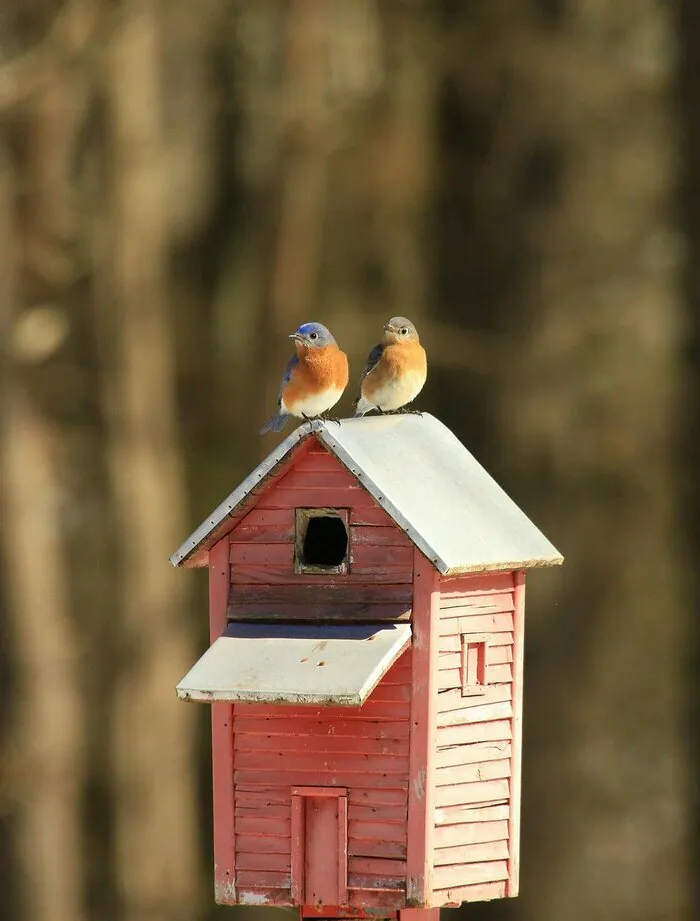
(293,362)
(277,422)
(372,360)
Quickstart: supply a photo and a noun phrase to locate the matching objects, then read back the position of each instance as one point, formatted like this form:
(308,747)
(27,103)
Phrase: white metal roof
(290,664)
(423,477)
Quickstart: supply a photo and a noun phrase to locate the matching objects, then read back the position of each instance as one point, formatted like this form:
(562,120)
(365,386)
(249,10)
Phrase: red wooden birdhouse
(366,672)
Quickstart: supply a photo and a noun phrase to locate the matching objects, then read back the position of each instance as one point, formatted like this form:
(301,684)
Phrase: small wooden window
(321,543)
(473,663)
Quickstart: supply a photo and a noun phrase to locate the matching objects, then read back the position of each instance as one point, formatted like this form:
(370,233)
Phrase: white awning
(294,664)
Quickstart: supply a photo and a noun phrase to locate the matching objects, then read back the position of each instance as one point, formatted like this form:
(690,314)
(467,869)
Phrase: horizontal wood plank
(464,794)
(389,900)
(358,762)
(479,623)
(376,831)
(371,537)
(374,883)
(262,825)
(330,478)
(491,694)
(283,574)
(464,773)
(480,892)
(478,583)
(317,497)
(458,606)
(459,815)
(463,874)
(377,813)
(331,593)
(471,853)
(321,745)
(365,556)
(321,610)
(373,866)
(316,778)
(485,732)
(263,860)
(263,844)
(479,714)
(372,516)
(360,796)
(470,754)
(449,836)
(370,710)
(266,879)
(376,847)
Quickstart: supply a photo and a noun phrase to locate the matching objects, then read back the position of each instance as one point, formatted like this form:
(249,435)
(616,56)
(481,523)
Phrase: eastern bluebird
(395,372)
(315,377)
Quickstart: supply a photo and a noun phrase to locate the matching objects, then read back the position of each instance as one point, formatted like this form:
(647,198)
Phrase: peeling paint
(253,898)
(419,784)
(225,892)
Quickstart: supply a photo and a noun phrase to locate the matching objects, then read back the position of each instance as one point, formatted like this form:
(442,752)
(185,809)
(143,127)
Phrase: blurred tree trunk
(43,766)
(559,119)
(157,838)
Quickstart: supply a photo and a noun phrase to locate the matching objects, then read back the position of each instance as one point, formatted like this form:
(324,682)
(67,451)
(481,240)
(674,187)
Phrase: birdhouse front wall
(300,774)
(476,770)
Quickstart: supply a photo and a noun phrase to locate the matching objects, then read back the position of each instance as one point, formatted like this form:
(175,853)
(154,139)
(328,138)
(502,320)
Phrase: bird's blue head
(313,335)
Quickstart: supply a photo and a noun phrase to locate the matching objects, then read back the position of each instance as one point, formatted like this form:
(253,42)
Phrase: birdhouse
(367,592)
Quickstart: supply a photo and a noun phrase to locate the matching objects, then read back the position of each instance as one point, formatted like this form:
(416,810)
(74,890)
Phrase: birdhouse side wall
(378,584)
(477,761)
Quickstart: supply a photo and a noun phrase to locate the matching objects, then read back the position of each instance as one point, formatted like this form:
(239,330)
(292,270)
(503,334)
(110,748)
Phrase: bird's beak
(296,337)
(389,328)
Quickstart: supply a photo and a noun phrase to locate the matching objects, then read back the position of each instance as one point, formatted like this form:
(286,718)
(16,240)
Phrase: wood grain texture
(222,740)
(426,600)
(464,874)
(484,812)
(479,892)
(449,836)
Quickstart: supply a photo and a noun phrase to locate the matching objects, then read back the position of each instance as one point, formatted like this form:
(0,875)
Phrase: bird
(314,379)
(395,372)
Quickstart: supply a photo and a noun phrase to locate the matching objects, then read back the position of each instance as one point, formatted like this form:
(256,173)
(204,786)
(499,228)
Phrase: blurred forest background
(181,184)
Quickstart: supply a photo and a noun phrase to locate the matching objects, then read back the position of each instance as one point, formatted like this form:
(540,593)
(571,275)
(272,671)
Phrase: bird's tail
(275,424)
(361,406)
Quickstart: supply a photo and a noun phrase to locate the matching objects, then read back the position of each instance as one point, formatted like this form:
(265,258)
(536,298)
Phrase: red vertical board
(423,737)
(222,738)
(517,733)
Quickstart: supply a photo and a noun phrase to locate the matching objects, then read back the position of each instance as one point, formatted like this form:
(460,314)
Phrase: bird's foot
(335,419)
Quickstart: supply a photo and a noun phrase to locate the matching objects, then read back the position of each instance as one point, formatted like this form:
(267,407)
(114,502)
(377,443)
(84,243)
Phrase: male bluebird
(395,372)
(315,377)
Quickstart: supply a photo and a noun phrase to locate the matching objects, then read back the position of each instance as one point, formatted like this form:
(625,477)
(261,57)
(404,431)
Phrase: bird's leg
(328,418)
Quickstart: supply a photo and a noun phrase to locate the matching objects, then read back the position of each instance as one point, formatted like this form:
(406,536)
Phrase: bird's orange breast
(318,370)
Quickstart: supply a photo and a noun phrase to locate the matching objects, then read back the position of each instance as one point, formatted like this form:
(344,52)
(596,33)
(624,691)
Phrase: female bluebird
(315,377)
(395,372)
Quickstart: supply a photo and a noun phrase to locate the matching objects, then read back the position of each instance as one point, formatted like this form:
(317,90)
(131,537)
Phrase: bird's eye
(313,335)
(404,331)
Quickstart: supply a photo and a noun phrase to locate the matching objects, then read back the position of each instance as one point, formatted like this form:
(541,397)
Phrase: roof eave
(194,551)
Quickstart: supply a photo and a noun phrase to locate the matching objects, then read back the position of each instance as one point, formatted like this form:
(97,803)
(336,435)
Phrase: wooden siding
(475,744)
(263,580)
(365,751)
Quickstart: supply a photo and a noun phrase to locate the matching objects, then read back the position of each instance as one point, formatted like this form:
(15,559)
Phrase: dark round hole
(325,542)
